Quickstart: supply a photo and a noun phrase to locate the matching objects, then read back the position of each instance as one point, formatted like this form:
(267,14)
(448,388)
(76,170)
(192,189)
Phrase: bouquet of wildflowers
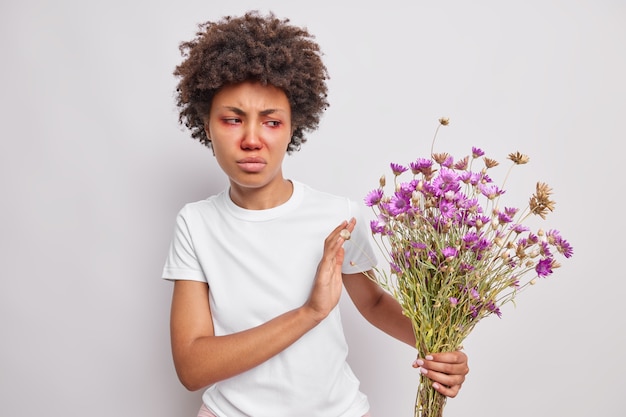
(455,254)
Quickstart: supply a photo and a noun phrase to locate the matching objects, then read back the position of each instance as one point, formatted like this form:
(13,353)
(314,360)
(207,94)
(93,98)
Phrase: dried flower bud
(518,158)
(382,181)
(444,121)
(462,164)
(345,234)
(440,158)
(533,281)
(540,203)
(415,198)
(543,190)
(490,163)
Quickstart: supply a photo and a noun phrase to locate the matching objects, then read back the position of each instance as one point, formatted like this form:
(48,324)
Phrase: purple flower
(478,221)
(475,294)
(406,188)
(446,181)
(484,178)
(447,208)
(449,252)
(494,309)
(511,211)
(419,246)
(454,301)
(465,176)
(544,249)
(477,152)
(470,239)
(398,169)
(377,226)
(504,218)
(562,246)
(471,205)
(432,255)
(421,166)
(490,191)
(398,204)
(448,162)
(544,267)
(519,228)
(374,197)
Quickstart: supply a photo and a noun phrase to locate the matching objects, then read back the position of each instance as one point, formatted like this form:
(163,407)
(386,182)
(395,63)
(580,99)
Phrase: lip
(252,164)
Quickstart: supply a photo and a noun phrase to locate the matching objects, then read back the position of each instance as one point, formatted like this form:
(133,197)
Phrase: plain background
(94,167)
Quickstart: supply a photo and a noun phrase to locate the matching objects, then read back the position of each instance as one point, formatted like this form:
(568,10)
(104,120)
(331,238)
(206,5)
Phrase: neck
(261,198)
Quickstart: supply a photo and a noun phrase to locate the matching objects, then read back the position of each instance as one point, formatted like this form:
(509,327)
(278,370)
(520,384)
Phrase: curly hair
(257,48)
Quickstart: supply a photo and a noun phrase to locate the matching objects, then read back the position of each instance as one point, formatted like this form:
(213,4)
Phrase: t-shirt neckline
(268,214)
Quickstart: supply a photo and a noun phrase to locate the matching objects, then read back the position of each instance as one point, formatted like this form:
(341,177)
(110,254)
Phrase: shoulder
(330,201)
(314,194)
(201,207)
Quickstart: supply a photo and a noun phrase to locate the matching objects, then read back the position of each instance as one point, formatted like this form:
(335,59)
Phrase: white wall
(94,167)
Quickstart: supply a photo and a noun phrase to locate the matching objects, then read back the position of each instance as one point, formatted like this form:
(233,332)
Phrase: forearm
(378,306)
(386,314)
(208,359)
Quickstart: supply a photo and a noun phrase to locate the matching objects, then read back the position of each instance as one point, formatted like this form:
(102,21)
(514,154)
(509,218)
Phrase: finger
(448,385)
(337,235)
(447,391)
(446,362)
(449,357)
(351,224)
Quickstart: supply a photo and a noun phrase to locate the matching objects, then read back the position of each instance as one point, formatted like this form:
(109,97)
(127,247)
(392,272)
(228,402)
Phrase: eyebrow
(240,112)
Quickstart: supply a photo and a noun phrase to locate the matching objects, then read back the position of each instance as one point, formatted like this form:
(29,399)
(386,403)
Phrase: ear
(207,131)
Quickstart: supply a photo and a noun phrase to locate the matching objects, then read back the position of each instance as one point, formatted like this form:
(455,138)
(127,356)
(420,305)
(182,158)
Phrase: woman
(259,268)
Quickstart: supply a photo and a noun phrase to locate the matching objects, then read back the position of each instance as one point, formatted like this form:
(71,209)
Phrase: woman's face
(249,126)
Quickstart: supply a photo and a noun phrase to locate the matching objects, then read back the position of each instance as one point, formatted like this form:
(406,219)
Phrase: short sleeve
(359,255)
(181,262)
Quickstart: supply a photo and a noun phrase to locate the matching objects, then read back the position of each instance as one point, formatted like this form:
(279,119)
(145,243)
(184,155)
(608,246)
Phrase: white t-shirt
(260,264)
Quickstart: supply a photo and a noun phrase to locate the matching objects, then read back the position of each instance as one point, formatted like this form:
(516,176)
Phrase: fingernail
(419,362)
(429,357)
(424,371)
(435,385)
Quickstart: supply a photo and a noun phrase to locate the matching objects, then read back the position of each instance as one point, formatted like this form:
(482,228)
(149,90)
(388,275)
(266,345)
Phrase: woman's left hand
(447,370)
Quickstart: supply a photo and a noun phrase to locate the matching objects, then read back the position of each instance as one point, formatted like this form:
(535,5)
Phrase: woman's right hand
(328,283)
